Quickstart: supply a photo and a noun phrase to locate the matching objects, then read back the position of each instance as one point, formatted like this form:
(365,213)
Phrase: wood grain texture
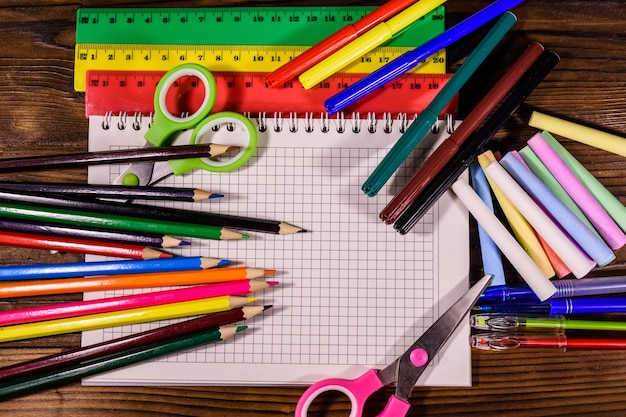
(41,114)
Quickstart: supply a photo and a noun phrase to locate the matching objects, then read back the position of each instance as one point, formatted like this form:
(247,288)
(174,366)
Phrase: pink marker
(596,214)
(105,305)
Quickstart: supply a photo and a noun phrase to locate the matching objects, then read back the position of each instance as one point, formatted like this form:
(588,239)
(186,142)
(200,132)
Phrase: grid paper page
(353,293)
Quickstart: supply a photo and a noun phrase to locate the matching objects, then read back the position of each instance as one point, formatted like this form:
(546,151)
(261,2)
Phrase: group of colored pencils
(203,288)
(82,218)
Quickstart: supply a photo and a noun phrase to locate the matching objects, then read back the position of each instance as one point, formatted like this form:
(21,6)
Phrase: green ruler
(234,25)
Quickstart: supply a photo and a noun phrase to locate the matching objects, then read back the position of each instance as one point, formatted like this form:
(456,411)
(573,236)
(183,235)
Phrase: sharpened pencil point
(184,243)
(272,283)
(241,328)
(223,262)
(267,307)
(269,271)
(216,196)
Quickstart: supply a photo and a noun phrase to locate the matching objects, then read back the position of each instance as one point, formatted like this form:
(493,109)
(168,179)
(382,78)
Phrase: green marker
(426,119)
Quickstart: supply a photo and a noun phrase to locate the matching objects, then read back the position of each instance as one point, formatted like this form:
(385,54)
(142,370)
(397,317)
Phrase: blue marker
(564,288)
(556,306)
(409,60)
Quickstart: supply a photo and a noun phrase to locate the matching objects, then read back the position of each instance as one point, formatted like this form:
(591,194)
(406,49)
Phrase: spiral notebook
(353,293)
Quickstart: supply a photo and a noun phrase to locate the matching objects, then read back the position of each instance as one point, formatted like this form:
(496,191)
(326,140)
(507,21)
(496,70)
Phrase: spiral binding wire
(294,124)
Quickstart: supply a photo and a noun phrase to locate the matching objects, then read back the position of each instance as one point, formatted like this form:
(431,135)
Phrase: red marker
(335,41)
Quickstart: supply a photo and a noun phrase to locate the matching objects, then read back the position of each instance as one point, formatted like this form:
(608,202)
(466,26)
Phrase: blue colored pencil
(115,267)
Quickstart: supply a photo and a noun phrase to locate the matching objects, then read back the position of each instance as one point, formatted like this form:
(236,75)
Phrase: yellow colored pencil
(119,318)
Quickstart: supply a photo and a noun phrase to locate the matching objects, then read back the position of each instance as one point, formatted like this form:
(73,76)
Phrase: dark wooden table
(41,114)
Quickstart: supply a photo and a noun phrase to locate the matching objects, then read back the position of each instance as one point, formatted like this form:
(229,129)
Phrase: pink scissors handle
(357,390)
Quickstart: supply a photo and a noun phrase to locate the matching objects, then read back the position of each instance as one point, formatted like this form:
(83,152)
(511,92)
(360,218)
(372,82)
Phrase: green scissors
(205,128)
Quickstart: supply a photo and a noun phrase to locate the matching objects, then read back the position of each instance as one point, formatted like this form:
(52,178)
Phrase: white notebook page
(353,293)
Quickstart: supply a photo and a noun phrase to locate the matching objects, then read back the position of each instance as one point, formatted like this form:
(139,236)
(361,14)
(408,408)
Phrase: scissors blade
(160,171)
(410,366)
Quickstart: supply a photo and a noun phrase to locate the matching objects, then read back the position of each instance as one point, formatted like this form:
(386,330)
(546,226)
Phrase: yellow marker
(520,226)
(579,133)
(119,318)
(366,42)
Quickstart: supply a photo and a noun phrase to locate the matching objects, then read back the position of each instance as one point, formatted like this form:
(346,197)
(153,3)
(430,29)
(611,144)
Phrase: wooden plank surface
(41,114)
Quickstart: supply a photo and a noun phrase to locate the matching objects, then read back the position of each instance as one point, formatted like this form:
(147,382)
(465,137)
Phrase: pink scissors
(404,371)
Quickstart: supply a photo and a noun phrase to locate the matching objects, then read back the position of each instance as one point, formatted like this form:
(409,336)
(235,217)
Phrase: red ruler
(133,91)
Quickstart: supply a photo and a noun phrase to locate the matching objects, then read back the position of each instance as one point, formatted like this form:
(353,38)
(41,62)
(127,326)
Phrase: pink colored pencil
(105,305)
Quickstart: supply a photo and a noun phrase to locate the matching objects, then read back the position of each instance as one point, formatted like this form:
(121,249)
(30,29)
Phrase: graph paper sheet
(353,293)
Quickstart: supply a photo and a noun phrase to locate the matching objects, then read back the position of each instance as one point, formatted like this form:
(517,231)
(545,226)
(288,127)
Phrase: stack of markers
(565,222)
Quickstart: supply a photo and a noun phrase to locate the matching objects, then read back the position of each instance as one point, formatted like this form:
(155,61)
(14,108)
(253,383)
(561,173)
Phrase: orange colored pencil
(118,282)
(67,244)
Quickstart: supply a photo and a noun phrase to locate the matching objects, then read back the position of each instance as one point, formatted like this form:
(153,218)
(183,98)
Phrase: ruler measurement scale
(132,92)
(221,58)
(234,25)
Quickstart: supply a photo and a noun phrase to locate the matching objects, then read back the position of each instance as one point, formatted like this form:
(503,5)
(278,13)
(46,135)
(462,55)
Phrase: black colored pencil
(476,142)
(116,156)
(121,192)
(153,240)
(151,212)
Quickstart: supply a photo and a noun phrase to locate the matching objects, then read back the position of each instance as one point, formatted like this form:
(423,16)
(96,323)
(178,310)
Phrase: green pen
(553,324)
(428,117)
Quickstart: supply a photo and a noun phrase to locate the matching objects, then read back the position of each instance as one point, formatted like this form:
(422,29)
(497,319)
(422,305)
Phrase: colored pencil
(126,344)
(151,351)
(112,221)
(111,191)
(114,267)
(475,143)
(127,302)
(121,318)
(155,240)
(116,156)
(118,282)
(142,211)
(444,152)
(64,244)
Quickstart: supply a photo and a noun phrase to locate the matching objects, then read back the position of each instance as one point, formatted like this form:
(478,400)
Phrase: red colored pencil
(66,244)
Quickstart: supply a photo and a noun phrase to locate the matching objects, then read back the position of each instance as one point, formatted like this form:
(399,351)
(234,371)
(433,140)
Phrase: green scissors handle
(165,123)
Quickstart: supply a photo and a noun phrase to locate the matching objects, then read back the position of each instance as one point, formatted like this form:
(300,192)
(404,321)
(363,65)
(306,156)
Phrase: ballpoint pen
(553,306)
(374,37)
(419,127)
(564,288)
(500,341)
(475,143)
(335,42)
(554,324)
(410,59)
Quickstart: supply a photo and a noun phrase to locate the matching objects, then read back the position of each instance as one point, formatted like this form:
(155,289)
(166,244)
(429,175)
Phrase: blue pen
(408,60)
(564,288)
(425,120)
(555,306)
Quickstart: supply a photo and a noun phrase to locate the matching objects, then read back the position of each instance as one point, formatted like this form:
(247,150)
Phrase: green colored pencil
(107,363)
(114,221)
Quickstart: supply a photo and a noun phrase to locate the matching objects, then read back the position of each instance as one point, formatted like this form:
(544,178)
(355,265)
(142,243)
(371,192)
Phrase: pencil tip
(223,262)
(184,243)
(244,236)
(216,195)
(272,283)
(269,271)
(267,307)
(302,231)
(241,328)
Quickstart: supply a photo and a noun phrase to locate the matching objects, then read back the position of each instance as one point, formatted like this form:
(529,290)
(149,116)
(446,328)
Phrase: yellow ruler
(223,58)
